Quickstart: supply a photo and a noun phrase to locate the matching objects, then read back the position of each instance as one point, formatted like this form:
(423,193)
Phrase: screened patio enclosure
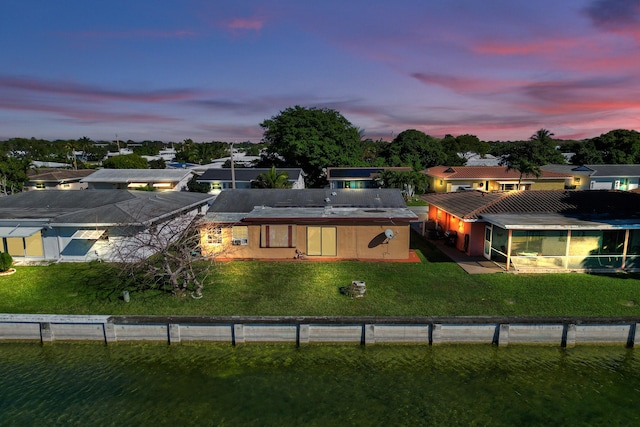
(556,242)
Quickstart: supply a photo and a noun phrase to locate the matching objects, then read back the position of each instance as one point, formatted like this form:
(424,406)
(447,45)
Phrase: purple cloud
(613,14)
(93,93)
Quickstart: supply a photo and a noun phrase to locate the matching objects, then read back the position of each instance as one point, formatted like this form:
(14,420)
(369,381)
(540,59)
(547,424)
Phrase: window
(539,243)
(214,236)
(240,235)
(40,185)
(321,241)
(278,236)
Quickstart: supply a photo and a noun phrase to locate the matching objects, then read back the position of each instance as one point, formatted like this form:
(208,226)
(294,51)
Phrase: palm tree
(273,179)
(542,135)
(524,158)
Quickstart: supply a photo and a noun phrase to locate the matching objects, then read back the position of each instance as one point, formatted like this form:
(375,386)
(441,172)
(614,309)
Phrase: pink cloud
(466,84)
(246,24)
(524,48)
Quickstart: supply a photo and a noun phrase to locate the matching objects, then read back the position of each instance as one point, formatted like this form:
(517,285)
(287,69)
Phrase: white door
(487,242)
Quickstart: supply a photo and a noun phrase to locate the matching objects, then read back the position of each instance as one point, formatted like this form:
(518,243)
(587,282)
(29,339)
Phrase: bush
(5,261)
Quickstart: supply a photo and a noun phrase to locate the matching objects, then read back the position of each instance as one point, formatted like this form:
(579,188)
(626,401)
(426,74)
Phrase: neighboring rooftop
(97,206)
(624,171)
(245,174)
(487,172)
(361,172)
(58,175)
(133,175)
(593,203)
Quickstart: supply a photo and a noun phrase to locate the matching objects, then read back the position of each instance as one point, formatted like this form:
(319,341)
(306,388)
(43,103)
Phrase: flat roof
(554,221)
(267,213)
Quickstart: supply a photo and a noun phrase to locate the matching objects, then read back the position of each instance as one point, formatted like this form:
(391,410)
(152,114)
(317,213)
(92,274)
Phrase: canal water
(327,385)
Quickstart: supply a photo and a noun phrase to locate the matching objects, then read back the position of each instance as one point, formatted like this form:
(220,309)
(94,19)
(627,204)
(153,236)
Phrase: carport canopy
(88,234)
(18,231)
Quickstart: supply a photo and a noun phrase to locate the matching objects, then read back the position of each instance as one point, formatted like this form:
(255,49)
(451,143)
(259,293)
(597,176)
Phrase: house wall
(624,184)
(32,186)
(490,185)
(549,184)
(125,186)
(354,241)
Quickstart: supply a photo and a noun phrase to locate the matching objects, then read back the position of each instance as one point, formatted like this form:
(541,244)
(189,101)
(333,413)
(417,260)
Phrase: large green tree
(618,146)
(410,182)
(126,161)
(414,148)
(13,174)
(312,139)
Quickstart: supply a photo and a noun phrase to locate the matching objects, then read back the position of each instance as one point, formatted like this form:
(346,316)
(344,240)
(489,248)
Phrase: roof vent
(449,170)
(327,200)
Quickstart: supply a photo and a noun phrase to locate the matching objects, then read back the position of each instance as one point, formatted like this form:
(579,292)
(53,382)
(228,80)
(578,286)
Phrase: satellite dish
(389,233)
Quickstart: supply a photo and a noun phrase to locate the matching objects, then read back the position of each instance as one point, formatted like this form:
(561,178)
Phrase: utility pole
(233,170)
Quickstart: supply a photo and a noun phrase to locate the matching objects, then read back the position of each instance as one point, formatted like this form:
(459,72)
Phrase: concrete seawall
(501,331)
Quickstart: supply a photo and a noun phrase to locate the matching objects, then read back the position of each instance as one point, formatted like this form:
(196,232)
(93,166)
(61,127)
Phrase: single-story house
(57,179)
(223,179)
(59,225)
(491,178)
(319,223)
(600,177)
(358,177)
(542,230)
(132,179)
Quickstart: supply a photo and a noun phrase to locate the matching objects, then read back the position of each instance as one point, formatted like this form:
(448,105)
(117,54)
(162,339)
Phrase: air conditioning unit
(240,242)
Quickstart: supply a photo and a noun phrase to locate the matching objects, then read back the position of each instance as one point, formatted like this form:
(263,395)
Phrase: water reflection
(87,384)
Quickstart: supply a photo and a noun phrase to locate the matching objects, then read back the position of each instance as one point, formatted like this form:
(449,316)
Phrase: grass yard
(435,287)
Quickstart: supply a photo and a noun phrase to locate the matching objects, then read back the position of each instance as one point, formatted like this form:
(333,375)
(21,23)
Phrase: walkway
(470,264)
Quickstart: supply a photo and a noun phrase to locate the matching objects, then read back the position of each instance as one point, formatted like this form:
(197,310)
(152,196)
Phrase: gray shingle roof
(58,175)
(133,175)
(97,206)
(245,174)
(622,171)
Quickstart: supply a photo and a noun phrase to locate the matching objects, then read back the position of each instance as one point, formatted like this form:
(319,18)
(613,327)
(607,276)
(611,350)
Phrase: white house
(57,179)
(223,179)
(86,225)
(131,179)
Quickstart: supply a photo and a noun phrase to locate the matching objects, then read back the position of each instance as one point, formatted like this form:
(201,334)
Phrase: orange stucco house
(545,230)
(366,224)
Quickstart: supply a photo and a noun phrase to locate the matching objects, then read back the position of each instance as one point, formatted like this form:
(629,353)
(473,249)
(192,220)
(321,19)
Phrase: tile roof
(604,203)
(487,172)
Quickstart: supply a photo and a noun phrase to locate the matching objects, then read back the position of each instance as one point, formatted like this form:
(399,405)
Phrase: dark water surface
(281,385)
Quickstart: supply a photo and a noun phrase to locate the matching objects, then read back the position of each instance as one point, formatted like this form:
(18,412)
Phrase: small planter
(9,272)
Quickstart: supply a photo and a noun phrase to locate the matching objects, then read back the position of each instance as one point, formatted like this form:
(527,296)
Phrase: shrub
(5,261)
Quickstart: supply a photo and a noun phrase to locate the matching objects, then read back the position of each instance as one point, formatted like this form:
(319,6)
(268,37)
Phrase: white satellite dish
(389,233)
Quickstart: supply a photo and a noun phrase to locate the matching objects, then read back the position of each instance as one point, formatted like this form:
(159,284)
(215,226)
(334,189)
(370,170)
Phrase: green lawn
(435,287)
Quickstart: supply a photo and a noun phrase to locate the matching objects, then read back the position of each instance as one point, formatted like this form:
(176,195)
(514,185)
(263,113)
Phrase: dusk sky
(214,70)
